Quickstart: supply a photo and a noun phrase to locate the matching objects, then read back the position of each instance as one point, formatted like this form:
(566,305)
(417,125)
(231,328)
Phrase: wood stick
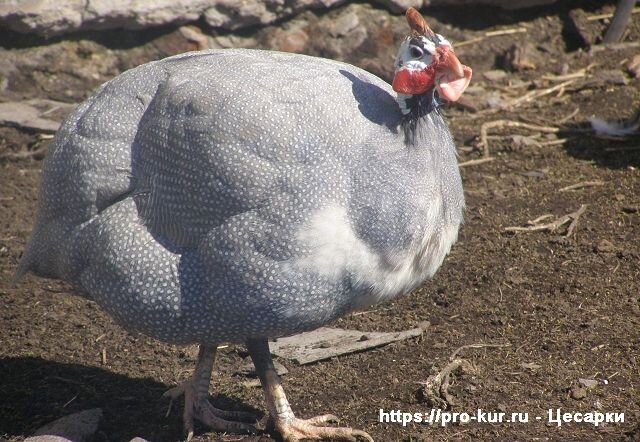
(491,34)
(609,15)
(508,123)
(571,218)
(539,93)
(582,185)
(476,162)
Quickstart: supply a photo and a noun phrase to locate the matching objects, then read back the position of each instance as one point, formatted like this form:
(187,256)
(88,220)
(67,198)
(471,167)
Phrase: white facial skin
(418,57)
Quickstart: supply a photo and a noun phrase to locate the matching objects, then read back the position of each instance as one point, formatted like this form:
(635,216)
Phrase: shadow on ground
(43,391)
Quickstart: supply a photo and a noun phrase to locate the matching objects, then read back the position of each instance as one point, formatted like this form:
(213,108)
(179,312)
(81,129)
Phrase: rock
(522,57)
(64,71)
(612,76)
(357,33)
(194,35)
(634,66)
(47,439)
(578,393)
(605,246)
(530,366)
(493,100)
(588,383)
(399,6)
(56,17)
(344,24)
(495,75)
(184,39)
(294,40)
(38,115)
(232,41)
(77,427)
(584,29)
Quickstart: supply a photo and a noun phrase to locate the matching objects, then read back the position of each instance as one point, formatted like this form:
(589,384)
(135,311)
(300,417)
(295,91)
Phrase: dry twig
(609,15)
(534,226)
(582,185)
(436,387)
(476,162)
(614,46)
(465,347)
(553,142)
(572,76)
(535,94)
(569,117)
(491,34)
(484,129)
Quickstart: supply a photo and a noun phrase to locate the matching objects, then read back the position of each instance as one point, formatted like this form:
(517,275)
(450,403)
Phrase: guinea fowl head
(426,63)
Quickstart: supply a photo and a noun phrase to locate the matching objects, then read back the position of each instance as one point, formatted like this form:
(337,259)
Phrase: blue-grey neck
(415,109)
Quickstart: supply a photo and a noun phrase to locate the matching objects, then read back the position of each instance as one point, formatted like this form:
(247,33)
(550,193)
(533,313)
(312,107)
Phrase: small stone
(493,100)
(294,40)
(195,36)
(252,383)
(580,25)
(605,246)
(612,76)
(588,383)
(631,209)
(344,24)
(475,90)
(522,57)
(46,439)
(77,427)
(634,66)
(578,393)
(495,75)
(618,197)
(530,366)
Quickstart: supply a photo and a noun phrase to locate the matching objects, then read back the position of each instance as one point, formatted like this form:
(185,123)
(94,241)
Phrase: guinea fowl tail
(24,266)
(38,257)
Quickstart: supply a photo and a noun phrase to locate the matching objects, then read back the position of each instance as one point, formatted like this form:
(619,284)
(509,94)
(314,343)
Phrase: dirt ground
(553,307)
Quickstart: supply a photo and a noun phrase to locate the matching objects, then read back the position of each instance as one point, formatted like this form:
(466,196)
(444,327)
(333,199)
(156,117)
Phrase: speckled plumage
(229,195)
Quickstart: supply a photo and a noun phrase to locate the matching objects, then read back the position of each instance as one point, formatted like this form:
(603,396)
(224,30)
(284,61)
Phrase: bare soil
(563,308)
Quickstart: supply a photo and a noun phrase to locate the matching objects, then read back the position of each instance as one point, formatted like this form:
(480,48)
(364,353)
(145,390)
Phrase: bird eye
(416,52)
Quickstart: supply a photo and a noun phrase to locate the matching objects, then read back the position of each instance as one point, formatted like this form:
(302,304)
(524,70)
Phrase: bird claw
(295,429)
(196,407)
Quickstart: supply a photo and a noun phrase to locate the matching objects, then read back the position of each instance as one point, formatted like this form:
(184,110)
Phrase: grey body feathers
(225,195)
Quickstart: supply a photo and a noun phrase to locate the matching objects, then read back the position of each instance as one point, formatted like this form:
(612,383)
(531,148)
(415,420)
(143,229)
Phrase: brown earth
(561,308)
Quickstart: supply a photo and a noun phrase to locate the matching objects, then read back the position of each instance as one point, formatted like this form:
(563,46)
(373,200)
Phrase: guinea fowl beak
(452,77)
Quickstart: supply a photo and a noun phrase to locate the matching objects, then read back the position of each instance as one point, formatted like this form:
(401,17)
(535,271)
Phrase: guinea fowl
(240,195)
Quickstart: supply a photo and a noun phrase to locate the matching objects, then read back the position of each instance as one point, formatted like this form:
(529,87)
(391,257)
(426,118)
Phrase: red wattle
(413,81)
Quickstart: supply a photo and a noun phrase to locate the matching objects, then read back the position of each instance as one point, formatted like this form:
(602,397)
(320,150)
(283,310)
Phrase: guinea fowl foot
(197,405)
(290,427)
(309,429)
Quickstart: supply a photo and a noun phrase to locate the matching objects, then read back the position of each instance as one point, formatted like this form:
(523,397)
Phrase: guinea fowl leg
(196,400)
(290,427)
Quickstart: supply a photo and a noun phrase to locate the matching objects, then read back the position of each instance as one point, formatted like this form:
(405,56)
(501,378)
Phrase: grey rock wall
(57,17)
